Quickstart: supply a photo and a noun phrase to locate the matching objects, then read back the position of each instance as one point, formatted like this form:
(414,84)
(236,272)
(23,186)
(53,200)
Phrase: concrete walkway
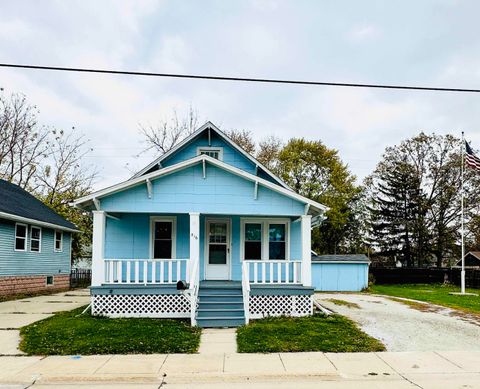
(453,369)
(18,313)
(218,341)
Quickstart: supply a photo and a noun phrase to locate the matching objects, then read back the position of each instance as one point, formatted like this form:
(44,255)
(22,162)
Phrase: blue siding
(230,155)
(341,277)
(46,262)
(187,191)
(129,238)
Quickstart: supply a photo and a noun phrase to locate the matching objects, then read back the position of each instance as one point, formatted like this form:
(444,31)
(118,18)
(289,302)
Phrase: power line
(240,79)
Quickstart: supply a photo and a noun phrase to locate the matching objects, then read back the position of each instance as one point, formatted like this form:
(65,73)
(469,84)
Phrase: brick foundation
(30,284)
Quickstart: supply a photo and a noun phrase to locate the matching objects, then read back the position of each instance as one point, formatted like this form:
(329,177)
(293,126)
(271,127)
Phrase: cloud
(363,33)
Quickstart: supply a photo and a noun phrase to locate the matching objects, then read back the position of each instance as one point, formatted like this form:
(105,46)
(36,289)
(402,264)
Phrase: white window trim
(265,242)
(171,219)
(39,240)
(60,250)
(210,148)
(25,237)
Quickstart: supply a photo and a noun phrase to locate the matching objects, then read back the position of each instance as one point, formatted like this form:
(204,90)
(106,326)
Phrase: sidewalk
(304,370)
(18,313)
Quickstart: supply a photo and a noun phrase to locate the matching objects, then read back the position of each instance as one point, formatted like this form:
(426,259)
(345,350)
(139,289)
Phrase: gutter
(27,220)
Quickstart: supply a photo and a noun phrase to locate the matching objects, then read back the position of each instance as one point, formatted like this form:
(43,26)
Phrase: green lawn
(432,293)
(67,334)
(312,333)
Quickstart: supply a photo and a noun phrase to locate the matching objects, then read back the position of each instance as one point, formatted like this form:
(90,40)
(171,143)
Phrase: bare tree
(23,142)
(168,132)
(269,150)
(244,139)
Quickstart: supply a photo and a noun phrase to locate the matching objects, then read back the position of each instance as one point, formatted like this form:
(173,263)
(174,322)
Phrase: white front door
(217,253)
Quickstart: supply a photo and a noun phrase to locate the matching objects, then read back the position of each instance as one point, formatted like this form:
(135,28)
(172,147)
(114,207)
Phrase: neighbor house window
(265,239)
(163,242)
(214,152)
(35,239)
(58,241)
(20,237)
(253,241)
(49,280)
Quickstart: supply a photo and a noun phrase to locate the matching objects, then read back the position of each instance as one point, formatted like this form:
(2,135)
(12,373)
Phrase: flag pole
(462,274)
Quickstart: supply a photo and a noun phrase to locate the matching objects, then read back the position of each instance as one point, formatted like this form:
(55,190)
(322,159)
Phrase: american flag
(470,158)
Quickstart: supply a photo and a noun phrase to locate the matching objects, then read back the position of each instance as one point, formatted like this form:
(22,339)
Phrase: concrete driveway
(403,328)
(18,313)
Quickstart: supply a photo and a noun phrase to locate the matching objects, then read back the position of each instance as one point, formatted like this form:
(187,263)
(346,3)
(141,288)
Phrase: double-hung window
(163,238)
(20,237)
(35,239)
(265,240)
(58,241)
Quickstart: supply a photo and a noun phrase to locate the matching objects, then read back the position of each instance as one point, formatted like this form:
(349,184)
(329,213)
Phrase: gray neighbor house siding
(46,262)
(31,258)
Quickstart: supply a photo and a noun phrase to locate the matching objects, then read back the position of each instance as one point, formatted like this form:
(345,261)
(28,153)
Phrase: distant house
(472,260)
(35,243)
(209,215)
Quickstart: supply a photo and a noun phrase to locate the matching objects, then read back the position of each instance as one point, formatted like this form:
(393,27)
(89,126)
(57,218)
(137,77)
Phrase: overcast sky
(398,42)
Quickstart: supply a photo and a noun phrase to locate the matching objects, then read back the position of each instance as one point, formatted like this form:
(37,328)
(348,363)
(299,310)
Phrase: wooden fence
(80,278)
(405,275)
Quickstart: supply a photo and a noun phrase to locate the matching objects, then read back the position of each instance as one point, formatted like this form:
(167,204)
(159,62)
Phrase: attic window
(214,152)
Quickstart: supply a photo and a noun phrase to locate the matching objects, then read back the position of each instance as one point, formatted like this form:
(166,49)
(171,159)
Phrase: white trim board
(21,219)
(191,162)
(206,126)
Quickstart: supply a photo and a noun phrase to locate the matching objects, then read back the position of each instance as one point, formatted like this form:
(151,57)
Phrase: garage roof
(340,258)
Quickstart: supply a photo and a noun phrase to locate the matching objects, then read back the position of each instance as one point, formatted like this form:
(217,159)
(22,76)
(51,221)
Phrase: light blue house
(206,213)
(35,243)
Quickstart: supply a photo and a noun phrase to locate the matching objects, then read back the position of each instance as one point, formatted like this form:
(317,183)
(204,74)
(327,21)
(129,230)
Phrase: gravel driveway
(402,328)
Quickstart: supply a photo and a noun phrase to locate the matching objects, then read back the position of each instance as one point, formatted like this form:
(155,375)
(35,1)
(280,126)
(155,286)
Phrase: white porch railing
(273,272)
(246,291)
(146,271)
(194,283)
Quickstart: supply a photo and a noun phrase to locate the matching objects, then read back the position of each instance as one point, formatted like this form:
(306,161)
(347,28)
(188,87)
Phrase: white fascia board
(140,180)
(9,216)
(225,138)
(193,161)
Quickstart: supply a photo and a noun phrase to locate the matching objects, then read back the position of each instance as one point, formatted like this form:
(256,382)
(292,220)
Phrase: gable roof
(340,258)
(472,258)
(19,205)
(209,126)
(313,205)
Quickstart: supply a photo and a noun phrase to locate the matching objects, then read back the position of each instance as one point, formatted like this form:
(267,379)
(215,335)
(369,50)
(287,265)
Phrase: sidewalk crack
(281,360)
(396,371)
(448,360)
(103,364)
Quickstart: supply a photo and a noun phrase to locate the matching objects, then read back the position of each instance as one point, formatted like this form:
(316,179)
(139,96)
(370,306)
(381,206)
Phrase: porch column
(98,247)
(306,250)
(195,239)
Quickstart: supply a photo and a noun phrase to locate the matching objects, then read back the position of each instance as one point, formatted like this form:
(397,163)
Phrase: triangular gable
(312,207)
(211,128)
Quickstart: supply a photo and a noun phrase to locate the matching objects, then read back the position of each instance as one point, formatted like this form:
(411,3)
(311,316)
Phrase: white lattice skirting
(148,305)
(263,306)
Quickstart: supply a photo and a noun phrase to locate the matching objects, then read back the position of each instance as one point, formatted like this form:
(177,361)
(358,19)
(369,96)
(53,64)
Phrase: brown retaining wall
(10,285)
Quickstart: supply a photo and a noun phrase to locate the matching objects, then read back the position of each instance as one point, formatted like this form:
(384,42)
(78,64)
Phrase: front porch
(139,258)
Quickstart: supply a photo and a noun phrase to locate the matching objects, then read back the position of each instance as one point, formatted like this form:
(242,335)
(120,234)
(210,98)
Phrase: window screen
(35,238)
(162,243)
(20,237)
(276,241)
(253,241)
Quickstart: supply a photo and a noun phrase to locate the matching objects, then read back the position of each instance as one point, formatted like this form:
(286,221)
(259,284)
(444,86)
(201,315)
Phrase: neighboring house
(472,260)
(342,272)
(209,214)
(35,243)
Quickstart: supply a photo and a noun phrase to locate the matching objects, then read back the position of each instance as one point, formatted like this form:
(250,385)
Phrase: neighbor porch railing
(246,291)
(193,286)
(273,272)
(146,271)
